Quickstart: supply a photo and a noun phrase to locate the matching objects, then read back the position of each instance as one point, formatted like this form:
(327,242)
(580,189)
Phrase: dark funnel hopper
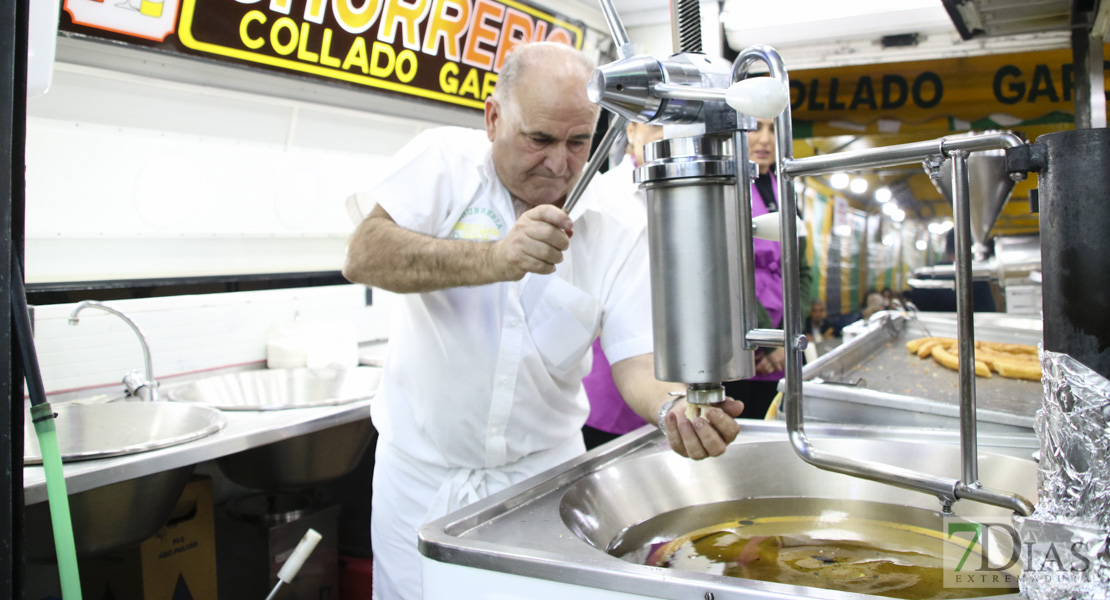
(990,187)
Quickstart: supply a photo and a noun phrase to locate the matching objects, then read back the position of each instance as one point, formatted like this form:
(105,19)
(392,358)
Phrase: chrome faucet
(144,389)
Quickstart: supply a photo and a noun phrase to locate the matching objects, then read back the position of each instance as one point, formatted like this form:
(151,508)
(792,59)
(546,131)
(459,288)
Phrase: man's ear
(494,116)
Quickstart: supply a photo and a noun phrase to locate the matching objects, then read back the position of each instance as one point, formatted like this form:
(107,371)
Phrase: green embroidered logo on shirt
(478,224)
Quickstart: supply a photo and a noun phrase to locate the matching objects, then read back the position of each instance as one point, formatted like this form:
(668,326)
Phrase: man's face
(541,137)
(818,312)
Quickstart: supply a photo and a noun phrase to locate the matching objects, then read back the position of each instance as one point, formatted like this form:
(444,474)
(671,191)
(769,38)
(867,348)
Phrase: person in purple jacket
(759,391)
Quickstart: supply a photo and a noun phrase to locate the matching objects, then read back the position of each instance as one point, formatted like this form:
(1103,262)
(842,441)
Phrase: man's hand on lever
(536,242)
(706,435)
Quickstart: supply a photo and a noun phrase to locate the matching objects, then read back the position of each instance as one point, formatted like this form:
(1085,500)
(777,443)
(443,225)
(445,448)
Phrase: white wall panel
(133,177)
(190,333)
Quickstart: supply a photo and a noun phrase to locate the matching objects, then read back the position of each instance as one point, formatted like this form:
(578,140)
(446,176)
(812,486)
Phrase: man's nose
(557,159)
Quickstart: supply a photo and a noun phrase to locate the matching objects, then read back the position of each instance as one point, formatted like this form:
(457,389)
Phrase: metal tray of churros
(874,380)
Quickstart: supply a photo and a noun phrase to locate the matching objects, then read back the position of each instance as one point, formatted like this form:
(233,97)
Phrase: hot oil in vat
(897,551)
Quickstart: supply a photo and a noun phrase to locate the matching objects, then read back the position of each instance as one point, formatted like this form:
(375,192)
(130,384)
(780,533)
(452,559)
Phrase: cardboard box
(176,563)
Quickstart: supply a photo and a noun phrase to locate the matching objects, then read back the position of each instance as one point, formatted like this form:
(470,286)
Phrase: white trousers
(409,493)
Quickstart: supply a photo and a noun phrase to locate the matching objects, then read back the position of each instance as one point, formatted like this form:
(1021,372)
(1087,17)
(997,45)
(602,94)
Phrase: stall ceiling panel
(991,18)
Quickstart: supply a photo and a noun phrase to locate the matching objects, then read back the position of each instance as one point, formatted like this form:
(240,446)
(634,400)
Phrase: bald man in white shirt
(502,294)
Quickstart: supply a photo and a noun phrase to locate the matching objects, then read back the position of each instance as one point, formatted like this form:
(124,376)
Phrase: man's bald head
(558,62)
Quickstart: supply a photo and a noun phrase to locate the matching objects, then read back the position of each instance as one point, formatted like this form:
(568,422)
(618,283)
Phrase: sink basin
(88,431)
(126,512)
(302,461)
(110,517)
(275,389)
(601,507)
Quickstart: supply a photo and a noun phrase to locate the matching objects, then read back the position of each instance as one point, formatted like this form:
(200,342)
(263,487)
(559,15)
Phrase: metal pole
(745,250)
(616,29)
(769,338)
(965,324)
(688,92)
(900,154)
(600,154)
(863,159)
(1087,56)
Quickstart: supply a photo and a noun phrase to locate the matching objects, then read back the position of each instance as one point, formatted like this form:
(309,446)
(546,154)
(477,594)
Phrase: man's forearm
(384,255)
(635,379)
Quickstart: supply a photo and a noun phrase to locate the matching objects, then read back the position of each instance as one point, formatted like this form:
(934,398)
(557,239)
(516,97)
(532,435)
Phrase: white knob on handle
(300,554)
(766,227)
(760,97)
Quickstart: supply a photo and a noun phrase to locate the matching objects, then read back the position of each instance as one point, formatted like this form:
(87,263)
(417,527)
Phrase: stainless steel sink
(606,503)
(302,461)
(88,431)
(275,389)
(110,517)
(566,527)
(127,512)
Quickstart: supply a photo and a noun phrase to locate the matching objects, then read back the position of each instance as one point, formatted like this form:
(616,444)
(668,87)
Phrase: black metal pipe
(21,326)
(1075,245)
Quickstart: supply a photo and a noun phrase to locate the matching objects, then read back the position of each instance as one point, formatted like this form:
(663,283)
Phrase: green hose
(43,417)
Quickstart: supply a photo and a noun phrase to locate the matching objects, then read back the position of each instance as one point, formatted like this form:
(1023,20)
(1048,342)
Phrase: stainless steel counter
(871,379)
(244,430)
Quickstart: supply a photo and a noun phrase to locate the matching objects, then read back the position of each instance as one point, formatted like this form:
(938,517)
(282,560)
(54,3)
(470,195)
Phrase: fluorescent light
(898,216)
(882,195)
(839,180)
(889,208)
(921,244)
(940,227)
(858,185)
(888,239)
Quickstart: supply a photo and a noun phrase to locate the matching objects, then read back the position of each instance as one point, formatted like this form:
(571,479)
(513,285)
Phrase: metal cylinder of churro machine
(699,222)
(693,237)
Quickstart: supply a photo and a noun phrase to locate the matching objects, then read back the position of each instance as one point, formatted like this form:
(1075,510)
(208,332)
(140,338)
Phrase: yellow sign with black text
(444,50)
(954,94)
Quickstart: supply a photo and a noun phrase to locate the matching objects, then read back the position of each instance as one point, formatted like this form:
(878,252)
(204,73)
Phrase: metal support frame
(13,94)
(947,489)
(1090,101)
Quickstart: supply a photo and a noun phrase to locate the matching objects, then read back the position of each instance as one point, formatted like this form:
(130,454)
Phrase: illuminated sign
(444,50)
(981,92)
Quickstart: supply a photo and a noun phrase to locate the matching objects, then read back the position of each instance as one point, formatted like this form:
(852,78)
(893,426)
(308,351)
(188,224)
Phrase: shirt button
(514,322)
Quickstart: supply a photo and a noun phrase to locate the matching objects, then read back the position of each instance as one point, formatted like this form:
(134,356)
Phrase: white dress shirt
(481,377)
